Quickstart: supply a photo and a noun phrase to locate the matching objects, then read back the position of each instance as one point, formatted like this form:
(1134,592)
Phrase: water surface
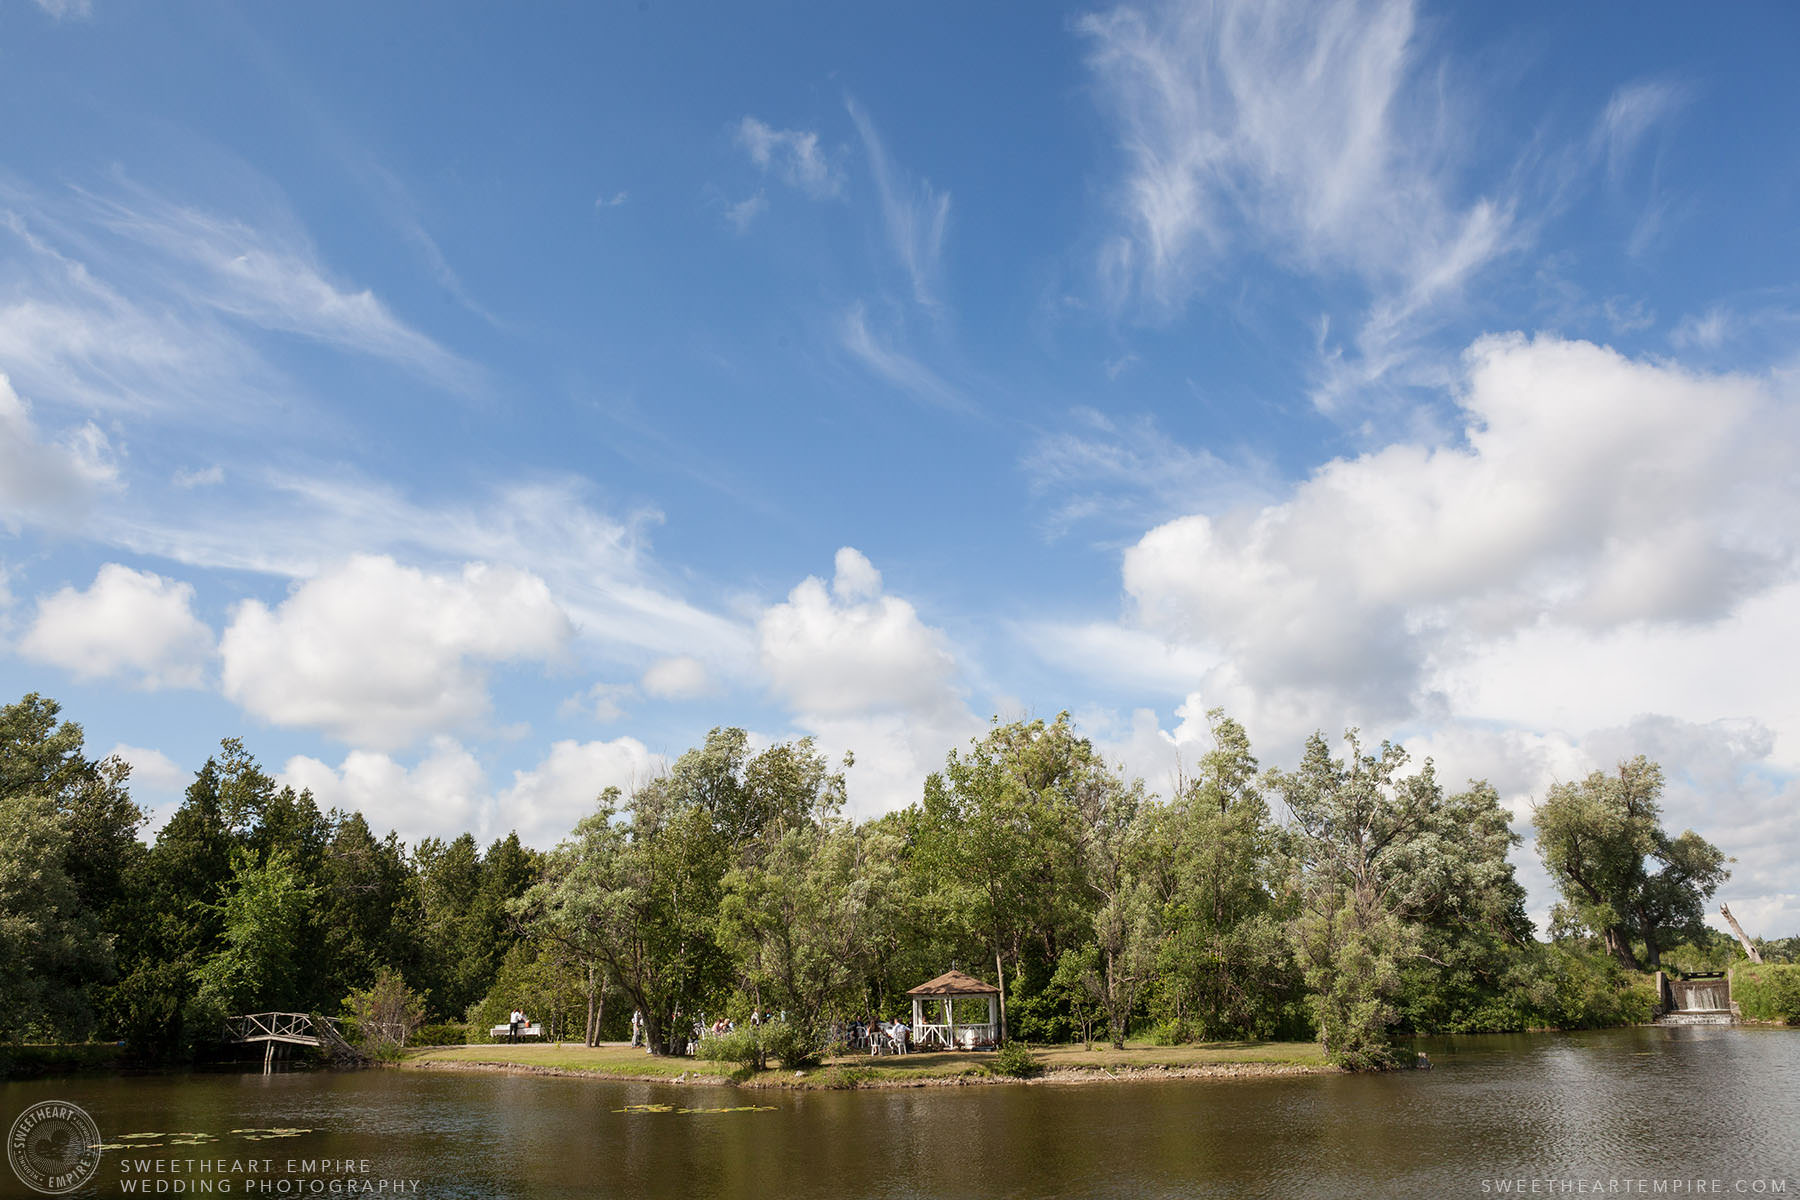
(1695,1104)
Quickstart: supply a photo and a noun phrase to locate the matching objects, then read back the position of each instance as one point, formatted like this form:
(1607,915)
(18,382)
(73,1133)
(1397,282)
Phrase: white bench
(533,1030)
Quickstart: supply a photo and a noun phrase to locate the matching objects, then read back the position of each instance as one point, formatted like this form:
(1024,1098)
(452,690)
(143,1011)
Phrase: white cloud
(1293,131)
(131,625)
(1630,114)
(189,478)
(151,769)
(680,678)
(1131,471)
(53,482)
(864,673)
(378,654)
(597,565)
(915,214)
(793,155)
(444,794)
(743,214)
(68,10)
(544,803)
(904,372)
(1589,493)
(130,302)
(612,201)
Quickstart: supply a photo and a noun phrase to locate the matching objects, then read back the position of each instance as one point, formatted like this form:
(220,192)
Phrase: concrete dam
(1705,1000)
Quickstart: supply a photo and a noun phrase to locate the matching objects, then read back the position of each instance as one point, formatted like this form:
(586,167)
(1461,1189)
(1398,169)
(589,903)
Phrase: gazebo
(950,987)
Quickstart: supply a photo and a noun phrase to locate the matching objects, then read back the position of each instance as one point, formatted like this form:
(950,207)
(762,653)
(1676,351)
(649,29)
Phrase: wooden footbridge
(290,1029)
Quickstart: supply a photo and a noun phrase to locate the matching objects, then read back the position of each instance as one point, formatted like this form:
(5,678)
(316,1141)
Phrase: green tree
(1000,842)
(1600,839)
(1213,860)
(68,851)
(638,891)
(804,920)
(262,915)
(1389,868)
(51,948)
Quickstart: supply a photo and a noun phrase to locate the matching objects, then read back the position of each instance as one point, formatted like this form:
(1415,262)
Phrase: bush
(448,1033)
(798,1047)
(754,1045)
(1770,992)
(742,1046)
(1016,1060)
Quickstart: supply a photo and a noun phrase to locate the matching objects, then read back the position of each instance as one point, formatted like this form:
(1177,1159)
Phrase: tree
(1389,867)
(804,921)
(68,853)
(51,949)
(639,891)
(1599,839)
(1000,843)
(1212,857)
(262,915)
(387,1011)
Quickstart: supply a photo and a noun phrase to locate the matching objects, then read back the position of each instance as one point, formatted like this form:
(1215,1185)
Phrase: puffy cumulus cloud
(130,625)
(1589,492)
(544,803)
(442,795)
(863,673)
(48,481)
(847,648)
(679,678)
(378,654)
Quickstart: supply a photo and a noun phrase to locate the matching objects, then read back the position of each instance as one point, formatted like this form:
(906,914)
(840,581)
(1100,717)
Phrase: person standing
(513,1023)
(637,1027)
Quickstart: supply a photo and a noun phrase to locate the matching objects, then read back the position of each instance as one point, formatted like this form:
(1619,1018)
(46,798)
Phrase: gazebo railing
(967,1035)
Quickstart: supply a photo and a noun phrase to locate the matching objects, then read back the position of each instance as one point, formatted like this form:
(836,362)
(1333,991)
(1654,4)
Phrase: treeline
(1378,903)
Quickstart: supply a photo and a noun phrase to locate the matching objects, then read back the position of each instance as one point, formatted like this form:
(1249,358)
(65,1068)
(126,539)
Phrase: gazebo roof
(955,983)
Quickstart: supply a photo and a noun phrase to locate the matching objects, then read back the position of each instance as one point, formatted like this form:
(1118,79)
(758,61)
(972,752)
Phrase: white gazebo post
(950,1019)
(918,1015)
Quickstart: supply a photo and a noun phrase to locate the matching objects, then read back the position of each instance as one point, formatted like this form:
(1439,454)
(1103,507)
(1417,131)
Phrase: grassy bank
(1060,1063)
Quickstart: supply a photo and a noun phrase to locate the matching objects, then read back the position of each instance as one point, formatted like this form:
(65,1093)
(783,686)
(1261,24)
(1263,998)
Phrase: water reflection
(1695,1103)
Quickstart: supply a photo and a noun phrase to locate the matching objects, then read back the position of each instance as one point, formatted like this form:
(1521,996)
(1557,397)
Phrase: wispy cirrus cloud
(1302,134)
(901,370)
(914,214)
(127,301)
(1629,116)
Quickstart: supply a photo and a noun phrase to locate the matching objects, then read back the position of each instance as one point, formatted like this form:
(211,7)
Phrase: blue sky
(471,406)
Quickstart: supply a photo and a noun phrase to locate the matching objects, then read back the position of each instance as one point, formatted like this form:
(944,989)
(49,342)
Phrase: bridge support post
(268,1057)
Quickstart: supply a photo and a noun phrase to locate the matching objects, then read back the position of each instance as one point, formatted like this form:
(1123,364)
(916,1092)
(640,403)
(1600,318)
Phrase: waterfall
(1698,1002)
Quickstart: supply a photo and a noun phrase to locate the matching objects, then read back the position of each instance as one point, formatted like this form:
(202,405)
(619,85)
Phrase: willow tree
(1621,875)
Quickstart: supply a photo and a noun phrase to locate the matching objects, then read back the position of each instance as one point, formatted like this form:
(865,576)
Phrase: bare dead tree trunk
(1749,948)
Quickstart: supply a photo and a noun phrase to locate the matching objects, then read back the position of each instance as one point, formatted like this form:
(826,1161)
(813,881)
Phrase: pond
(1632,1111)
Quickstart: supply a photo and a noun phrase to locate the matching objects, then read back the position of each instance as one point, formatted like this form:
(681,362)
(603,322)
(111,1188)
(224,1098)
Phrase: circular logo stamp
(54,1147)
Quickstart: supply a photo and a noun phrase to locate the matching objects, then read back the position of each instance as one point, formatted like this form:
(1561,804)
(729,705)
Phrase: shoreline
(870,1075)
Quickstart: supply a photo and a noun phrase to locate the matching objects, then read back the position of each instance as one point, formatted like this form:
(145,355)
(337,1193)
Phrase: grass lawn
(910,1068)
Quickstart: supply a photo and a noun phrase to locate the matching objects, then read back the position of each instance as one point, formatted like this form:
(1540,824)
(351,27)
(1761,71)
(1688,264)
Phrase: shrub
(448,1033)
(742,1046)
(798,1047)
(754,1045)
(1770,992)
(1017,1060)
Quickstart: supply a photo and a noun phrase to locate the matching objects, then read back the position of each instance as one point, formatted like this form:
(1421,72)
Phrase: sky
(470,406)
